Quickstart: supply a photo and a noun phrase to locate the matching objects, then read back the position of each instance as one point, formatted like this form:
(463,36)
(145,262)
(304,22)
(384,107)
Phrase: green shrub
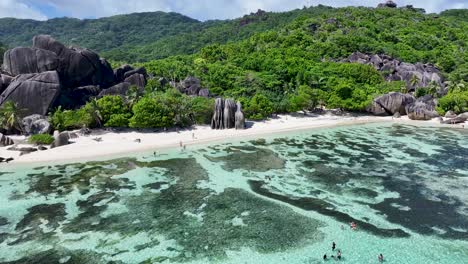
(149,113)
(117,120)
(71,119)
(202,110)
(43,139)
(112,105)
(259,107)
(455,101)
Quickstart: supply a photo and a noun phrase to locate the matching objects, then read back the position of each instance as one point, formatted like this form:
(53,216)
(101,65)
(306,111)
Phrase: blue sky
(199,9)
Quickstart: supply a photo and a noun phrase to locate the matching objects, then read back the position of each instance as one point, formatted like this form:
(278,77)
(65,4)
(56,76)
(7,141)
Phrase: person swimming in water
(380,257)
(333,246)
(339,255)
(325,257)
(353,226)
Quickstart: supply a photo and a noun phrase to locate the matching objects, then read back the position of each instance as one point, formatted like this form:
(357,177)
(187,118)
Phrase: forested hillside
(147,36)
(295,67)
(100,34)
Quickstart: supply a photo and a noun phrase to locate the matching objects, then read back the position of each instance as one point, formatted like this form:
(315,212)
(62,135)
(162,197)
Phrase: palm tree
(95,112)
(10,117)
(133,94)
(414,81)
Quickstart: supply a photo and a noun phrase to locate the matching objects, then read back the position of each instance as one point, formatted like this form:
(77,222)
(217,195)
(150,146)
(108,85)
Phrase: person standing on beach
(181,144)
(333,246)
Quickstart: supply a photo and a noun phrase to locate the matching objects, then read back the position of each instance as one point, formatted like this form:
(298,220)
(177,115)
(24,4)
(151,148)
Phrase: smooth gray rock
(29,60)
(138,80)
(391,103)
(60,139)
(204,93)
(36,124)
(5,141)
(217,122)
(422,109)
(77,66)
(35,93)
(5,81)
(119,73)
(229,117)
(119,89)
(450,114)
(140,70)
(456,120)
(240,119)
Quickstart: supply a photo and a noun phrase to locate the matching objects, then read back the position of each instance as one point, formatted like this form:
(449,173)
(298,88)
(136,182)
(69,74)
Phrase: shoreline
(117,144)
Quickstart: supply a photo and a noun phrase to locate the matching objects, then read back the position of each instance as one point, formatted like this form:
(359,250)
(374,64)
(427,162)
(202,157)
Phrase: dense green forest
(284,62)
(100,34)
(147,36)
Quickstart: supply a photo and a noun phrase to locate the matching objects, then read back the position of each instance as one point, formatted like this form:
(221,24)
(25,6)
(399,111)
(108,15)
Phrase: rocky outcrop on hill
(391,103)
(227,115)
(414,75)
(34,93)
(29,60)
(191,86)
(389,4)
(50,74)
(76,66)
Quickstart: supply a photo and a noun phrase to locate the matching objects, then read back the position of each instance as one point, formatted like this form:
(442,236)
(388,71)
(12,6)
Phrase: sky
(198,9)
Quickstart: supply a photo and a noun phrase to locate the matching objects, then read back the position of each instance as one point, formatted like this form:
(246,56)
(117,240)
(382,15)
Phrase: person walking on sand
(193,136)
(333,246)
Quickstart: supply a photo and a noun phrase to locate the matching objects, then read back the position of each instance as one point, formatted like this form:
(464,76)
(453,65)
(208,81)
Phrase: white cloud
(19,9)
(200,9)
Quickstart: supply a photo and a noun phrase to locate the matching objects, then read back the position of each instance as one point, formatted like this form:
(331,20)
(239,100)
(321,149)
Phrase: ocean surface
(279,199)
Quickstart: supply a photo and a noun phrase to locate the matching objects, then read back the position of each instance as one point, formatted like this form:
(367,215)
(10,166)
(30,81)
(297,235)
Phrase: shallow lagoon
(274,200)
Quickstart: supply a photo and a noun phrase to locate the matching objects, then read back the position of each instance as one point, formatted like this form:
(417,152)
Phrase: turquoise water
(281,199)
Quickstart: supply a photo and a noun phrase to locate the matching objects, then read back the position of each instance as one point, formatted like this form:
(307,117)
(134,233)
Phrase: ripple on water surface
(273,200)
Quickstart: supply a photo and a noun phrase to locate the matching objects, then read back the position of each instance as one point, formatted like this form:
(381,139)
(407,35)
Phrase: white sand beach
(115,143)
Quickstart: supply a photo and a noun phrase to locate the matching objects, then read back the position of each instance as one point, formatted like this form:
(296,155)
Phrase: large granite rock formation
(36,124)
(227,114)
(77,66)
(422,109)
(240,119)
(29,60)
(391,103)
(5,141)
(60,139)
(229,117)
(35,93)
(50,74)
(217,122)
(5,81)
(414,75)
